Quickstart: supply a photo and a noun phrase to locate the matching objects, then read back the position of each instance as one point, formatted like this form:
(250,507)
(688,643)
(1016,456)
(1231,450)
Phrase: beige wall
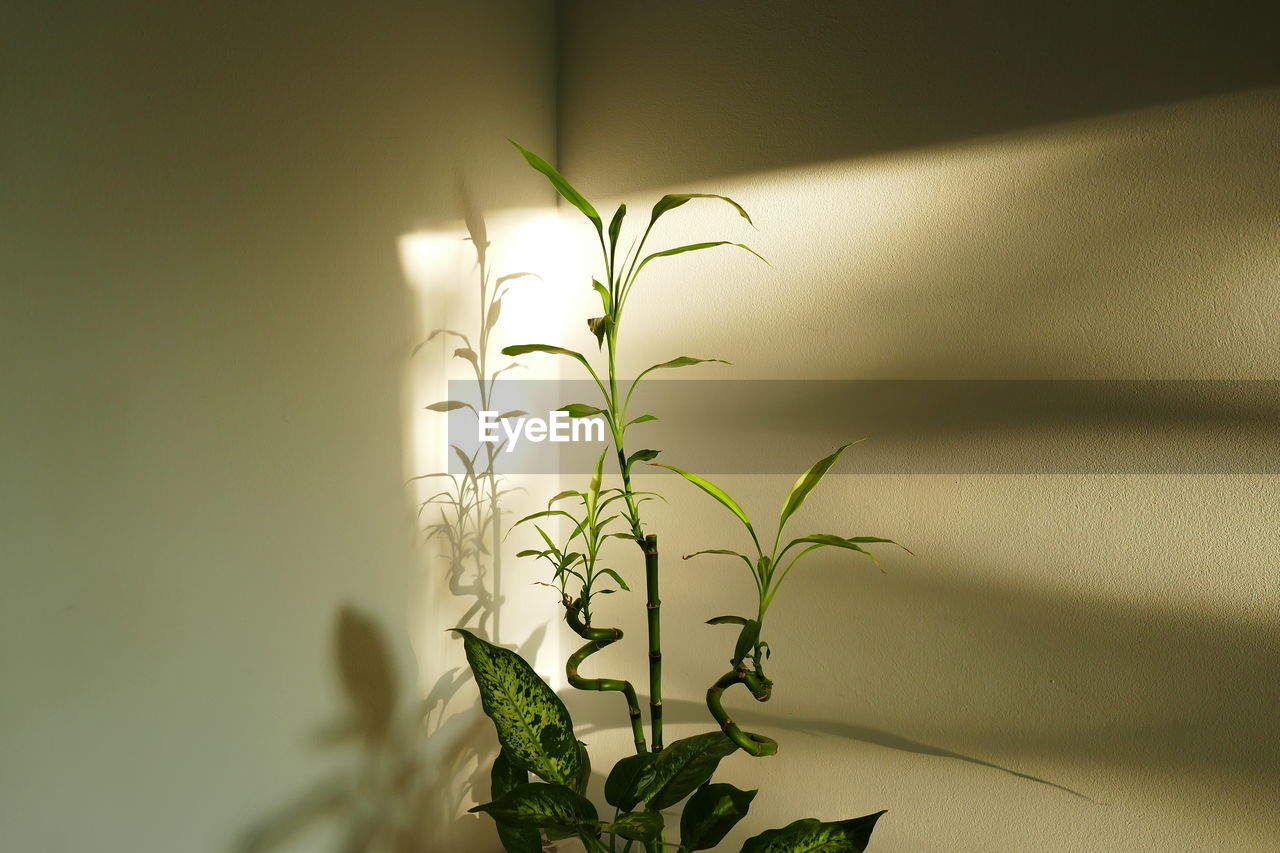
(1007,196)
(204,326)
(209,412)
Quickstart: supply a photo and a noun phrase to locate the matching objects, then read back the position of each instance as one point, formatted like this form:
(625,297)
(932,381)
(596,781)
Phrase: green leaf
(600,326)
(562,186)
(620,788)
(593,489)
(580,410)
(721,551)
(637,826)
(747,637)
(449,406)
(716,492)
(823,540)
(642,456)
(615,228)
(711,812)
(682,361)
(537,805)
(545,513)
(533,726)
(807,482)
(521,349)
(813,836)
(642,419)
(671,202)
(682,767)
(503,778)
(617,577)
(694,247)
(605,299)
(584,769)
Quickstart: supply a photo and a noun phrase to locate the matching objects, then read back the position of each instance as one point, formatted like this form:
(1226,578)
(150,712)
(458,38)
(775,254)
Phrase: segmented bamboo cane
(653,606)
(597,639)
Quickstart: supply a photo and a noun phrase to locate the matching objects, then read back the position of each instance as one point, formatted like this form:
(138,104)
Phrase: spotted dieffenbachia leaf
(680,768)
(814,836)
(538,805)
(637,826)
(503,778)
(533,726)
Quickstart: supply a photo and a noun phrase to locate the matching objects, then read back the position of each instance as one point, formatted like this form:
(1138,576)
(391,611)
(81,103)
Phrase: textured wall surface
(217,621)
(204,325)
(1070,663)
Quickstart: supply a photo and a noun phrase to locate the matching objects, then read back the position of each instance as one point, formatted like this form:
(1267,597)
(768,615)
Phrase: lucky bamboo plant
(533,726)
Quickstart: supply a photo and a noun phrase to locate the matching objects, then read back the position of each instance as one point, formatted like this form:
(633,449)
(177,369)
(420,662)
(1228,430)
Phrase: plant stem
(648,544)
(761,688)
(600,638)
(653,606)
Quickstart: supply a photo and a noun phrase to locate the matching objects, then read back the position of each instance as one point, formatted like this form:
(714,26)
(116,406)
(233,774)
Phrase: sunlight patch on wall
(1139,245)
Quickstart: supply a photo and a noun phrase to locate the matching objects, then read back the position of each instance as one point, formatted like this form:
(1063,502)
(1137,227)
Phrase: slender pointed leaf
(562,186)
(613,574)
(521,349)
(642,456)
(694,247)
(615,228)
(827,540)
(682,361)
(581,410)
(715,491)
(807,482)
(721,551)
(671,202)
(729,620)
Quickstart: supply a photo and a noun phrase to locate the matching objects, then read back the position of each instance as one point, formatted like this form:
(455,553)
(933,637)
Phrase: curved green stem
(761,688)
(598,639)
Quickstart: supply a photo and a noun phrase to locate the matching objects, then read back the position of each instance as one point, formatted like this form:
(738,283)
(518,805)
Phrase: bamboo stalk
(761,689)
(653,607)
(598,639)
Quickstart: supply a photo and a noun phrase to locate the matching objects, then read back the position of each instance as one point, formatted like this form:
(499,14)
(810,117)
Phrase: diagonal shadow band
(685,711)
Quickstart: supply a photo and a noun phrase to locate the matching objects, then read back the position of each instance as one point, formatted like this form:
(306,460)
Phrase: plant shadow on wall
(416,770)
(406,772)
(534,729)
